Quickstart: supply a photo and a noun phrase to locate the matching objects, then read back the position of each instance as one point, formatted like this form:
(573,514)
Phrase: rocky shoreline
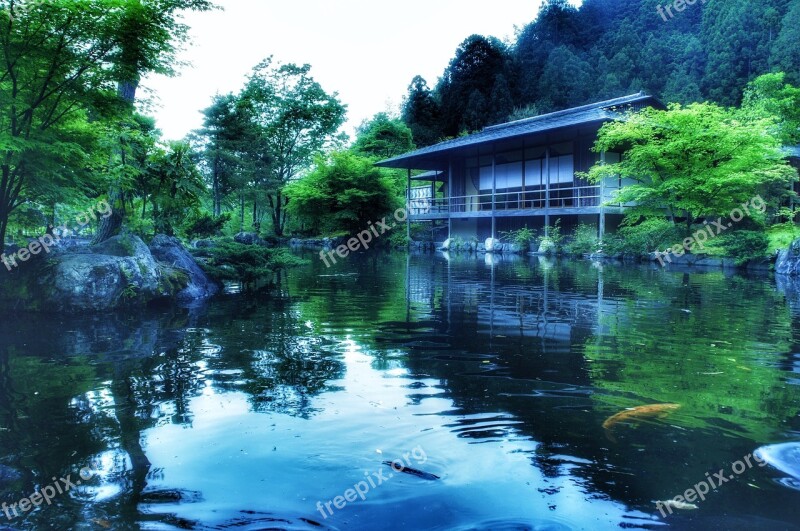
(121,272)
(124,272)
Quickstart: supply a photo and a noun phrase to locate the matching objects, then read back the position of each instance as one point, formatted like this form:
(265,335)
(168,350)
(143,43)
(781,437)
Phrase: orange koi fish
(634,413)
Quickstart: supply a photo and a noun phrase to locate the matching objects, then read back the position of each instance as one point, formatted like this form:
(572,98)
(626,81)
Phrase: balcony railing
(566,197)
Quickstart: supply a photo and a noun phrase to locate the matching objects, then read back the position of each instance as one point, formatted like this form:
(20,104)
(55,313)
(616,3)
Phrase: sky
(366,50)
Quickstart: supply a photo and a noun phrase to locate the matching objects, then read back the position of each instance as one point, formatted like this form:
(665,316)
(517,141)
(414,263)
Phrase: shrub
(744,245)
(646,237)
(584,240)
(205,225)
(245,263)
(522,237)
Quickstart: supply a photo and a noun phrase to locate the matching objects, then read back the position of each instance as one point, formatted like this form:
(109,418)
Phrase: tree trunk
(110,226)
(3,229)
(241,212)
(277,219)
(215,190)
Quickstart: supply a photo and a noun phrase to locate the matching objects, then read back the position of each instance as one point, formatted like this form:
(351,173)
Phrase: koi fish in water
(634,413)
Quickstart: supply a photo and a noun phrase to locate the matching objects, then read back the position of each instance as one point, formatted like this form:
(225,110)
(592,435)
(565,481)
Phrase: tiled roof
(595,112)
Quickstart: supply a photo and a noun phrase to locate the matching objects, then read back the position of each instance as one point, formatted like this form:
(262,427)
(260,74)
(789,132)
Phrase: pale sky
(366,50)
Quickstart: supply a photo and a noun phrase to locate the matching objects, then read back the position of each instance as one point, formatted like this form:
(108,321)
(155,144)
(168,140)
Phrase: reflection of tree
(681,341)
(152,366)
(627,342)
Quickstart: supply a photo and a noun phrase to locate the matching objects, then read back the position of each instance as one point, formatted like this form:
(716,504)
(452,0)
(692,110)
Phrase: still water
(489,379)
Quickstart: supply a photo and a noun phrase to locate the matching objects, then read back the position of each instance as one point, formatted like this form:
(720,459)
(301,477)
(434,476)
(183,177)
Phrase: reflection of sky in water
(254,409)
(245,461)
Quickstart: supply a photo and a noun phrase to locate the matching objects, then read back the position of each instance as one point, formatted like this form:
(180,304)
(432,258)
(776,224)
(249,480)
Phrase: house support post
(547,192)
(602,225)
(408,210)
(494,194)
(449,199)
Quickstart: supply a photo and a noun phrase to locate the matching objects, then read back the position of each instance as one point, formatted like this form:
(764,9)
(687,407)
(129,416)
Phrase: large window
(509,176)
(562,169)
(509,167)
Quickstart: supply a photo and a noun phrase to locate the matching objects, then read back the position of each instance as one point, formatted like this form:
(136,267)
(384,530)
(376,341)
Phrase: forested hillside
(606,48)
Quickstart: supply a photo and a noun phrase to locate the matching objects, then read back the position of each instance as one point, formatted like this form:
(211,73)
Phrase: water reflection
(248,411)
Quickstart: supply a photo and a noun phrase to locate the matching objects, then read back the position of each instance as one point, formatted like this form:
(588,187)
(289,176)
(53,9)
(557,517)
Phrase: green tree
(785,53)
(383,137)
(295,120)
(769,96)
(71,61)
(343,193)
(224,139)
(179,186)
(421,113)
(476,65)
(691,162)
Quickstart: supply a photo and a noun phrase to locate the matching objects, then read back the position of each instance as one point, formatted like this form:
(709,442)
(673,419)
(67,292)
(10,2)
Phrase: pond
(501,389)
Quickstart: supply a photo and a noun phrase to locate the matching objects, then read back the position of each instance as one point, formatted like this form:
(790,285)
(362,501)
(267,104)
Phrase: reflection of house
(519,173)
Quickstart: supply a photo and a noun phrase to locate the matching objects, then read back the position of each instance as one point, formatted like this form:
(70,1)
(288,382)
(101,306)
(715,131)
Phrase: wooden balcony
(557,200)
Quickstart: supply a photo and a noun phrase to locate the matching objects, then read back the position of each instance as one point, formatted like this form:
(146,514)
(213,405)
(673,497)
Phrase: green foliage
(553,242)
(178,186)
(468,85)
(343,193)
(223,142)
(743,245)
(422,113)
(129,293)
(781,236)
(294,120)
(583,241)
(383,137)
(696,162)
(570,56)
(770,97)
(244,263)
(204,225)
(522,237)
(397,239)
(643,238)
(72,69)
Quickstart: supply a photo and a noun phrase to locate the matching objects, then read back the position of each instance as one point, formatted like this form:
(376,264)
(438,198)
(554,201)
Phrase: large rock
(171,252)
(547,246)
(248,238)
(120,272)
(788,262)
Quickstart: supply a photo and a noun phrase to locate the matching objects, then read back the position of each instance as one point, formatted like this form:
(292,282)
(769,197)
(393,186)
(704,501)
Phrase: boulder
(120,272)
(490,245)
(170,251)
(248,238)
(547,246)
(788,262)
(204,244)
(446,244)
